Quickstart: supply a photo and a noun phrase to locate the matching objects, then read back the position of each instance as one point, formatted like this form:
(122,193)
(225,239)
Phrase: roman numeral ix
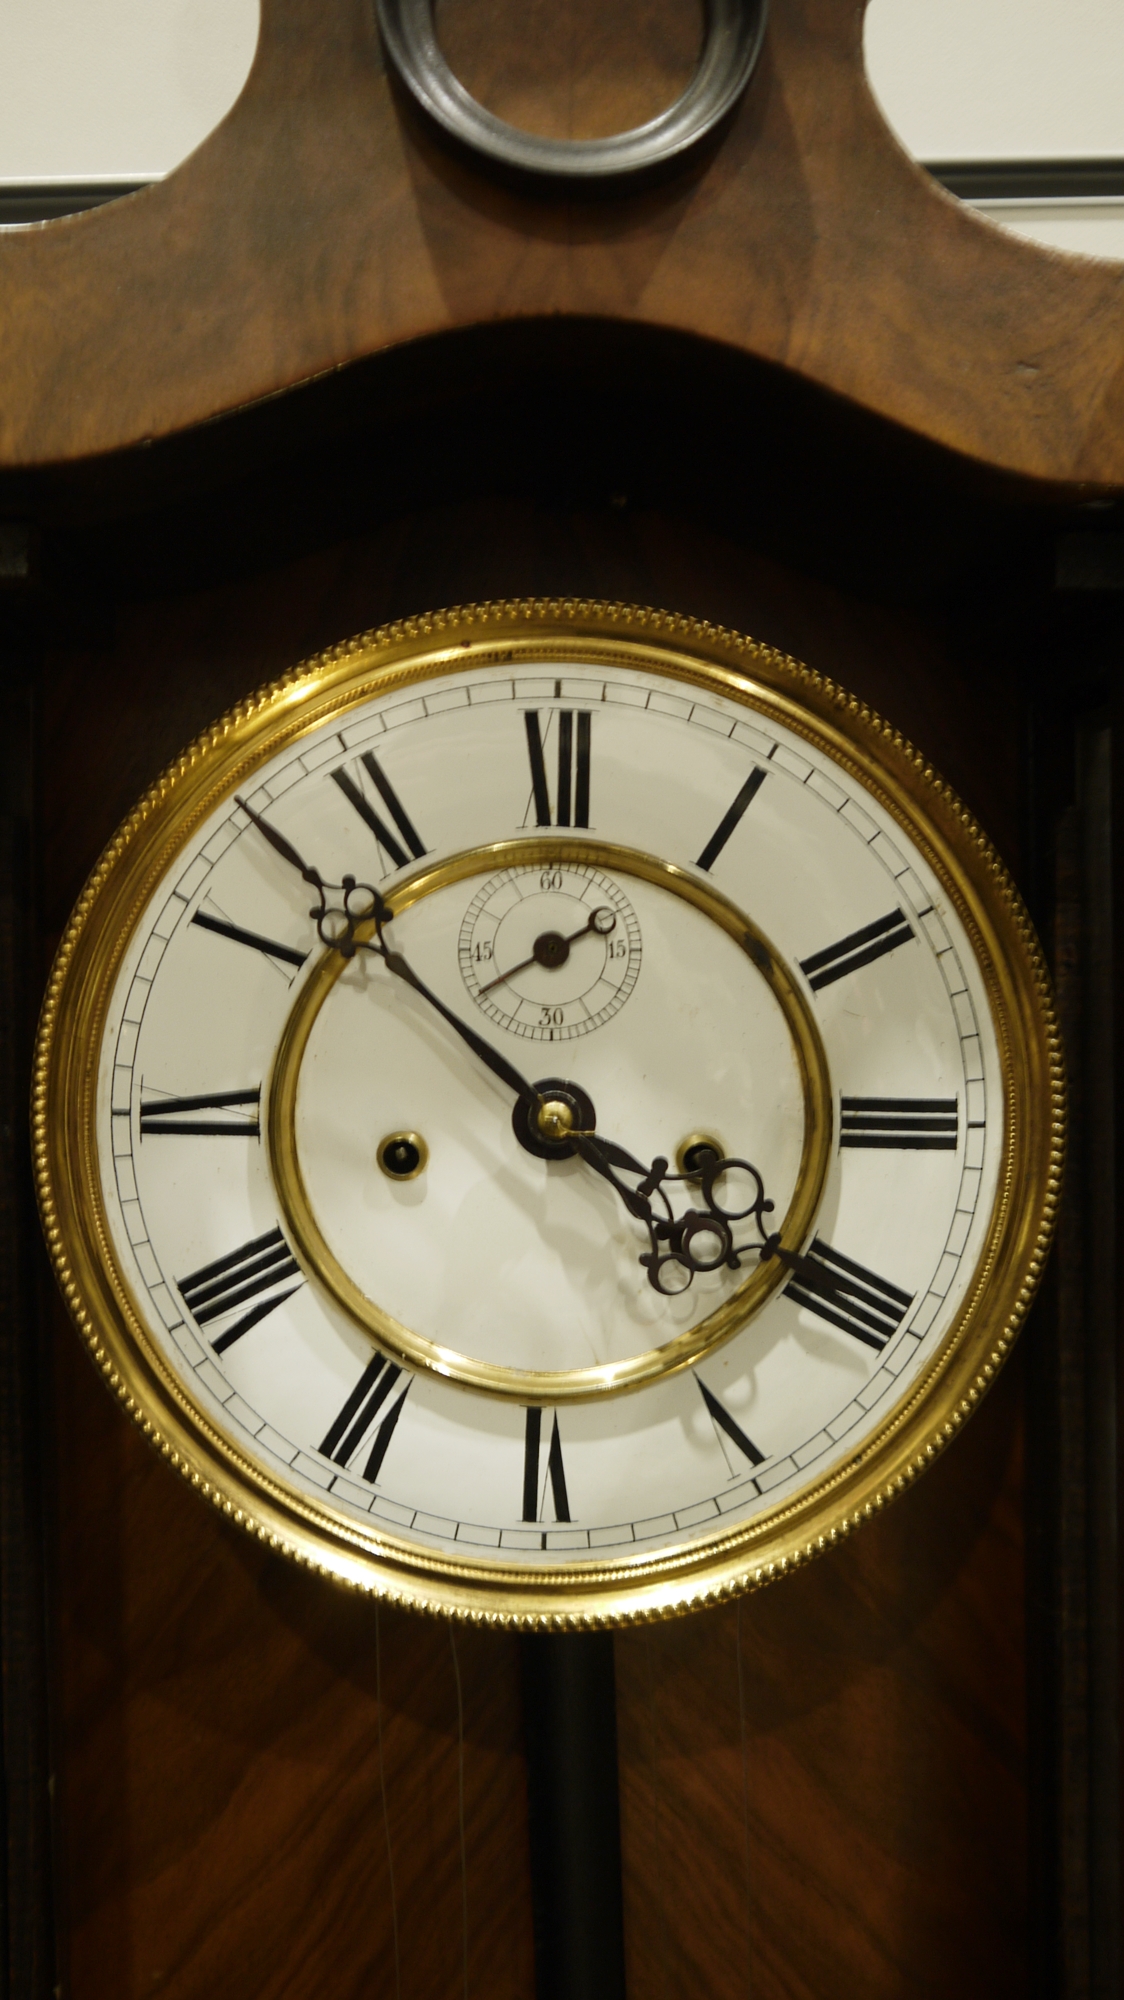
(918,1124)
(859,948)
(252,1270)
(355,795)
(847,1295)
(729,821)
(573,767)
(532,1509)
(174,1114)
(346,1434)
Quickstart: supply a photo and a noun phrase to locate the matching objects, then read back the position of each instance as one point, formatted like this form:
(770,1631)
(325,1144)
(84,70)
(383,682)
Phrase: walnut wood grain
(845,1814)
(238,1813)
(320,224)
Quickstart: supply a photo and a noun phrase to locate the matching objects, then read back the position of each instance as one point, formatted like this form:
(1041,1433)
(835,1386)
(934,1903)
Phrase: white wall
(1008,80)
(116,89)
(1000,79)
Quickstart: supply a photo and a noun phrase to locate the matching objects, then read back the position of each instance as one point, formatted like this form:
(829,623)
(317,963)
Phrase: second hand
(552,950)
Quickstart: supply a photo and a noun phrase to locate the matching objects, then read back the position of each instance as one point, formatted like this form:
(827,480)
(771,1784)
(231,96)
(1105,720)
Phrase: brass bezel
(646,1585)
(574,1385)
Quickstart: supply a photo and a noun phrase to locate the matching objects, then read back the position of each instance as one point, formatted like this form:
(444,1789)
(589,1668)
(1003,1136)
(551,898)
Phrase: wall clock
(551,1112)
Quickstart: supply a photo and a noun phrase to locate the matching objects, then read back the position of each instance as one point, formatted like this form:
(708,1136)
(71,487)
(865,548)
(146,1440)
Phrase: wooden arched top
(320,224)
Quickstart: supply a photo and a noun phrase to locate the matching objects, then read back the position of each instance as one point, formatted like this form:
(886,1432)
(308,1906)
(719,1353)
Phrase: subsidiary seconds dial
(550,952)
(549,1113)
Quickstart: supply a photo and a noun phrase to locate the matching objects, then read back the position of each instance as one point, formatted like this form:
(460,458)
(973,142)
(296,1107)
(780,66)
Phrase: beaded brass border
(711,1568)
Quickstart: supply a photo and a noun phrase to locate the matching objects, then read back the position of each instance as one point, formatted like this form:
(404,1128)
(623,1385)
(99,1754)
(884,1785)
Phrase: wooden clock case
(330,375)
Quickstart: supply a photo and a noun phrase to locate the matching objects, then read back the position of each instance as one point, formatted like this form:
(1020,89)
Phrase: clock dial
(552,1104)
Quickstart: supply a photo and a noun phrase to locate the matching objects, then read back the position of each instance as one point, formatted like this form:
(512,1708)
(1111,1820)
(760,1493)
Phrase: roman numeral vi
(555,1470)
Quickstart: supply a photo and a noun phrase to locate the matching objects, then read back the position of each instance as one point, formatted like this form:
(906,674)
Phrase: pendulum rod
(570,1722)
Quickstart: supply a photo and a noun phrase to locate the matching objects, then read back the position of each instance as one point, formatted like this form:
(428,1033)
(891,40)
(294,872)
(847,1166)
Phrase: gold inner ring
(552,1386)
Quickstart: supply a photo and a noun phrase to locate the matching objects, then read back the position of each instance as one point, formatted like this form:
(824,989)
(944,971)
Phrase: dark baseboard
(1030,180)
(44,201)
(971,180)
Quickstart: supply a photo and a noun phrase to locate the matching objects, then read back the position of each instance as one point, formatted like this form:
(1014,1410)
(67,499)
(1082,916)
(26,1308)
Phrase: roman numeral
(254,1268)
(722,1420)
(573,769)
(169,1114)
(919,1124)
(555,1471)
(729,821)
(847,1295)
(355,796)
(346,1434)
(860,948)
(269,946)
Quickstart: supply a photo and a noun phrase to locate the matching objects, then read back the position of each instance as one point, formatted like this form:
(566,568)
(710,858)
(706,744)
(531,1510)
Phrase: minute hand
(498,1064)
(600,1154)
(348,942)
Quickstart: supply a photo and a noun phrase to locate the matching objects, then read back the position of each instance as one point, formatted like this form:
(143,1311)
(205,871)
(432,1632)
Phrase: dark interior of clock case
(892,1771)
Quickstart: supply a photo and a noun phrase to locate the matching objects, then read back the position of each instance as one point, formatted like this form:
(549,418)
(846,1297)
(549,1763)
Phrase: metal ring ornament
(731,45)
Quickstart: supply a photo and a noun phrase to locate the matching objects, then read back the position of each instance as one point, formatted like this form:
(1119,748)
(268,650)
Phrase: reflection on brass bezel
(502,638)
(572,1385)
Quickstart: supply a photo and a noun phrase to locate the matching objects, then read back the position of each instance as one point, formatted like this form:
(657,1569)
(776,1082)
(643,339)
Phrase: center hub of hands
(543,1125)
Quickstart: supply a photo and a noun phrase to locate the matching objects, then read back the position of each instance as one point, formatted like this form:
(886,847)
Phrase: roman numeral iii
(572,793)
(346,1434)
(859,948)
(251,1271)
(177,1114)
(555,1471)
(848,1296)
(916,1124)
(397,849)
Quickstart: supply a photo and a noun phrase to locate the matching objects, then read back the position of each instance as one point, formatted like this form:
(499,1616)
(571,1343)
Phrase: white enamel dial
(661,1017)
